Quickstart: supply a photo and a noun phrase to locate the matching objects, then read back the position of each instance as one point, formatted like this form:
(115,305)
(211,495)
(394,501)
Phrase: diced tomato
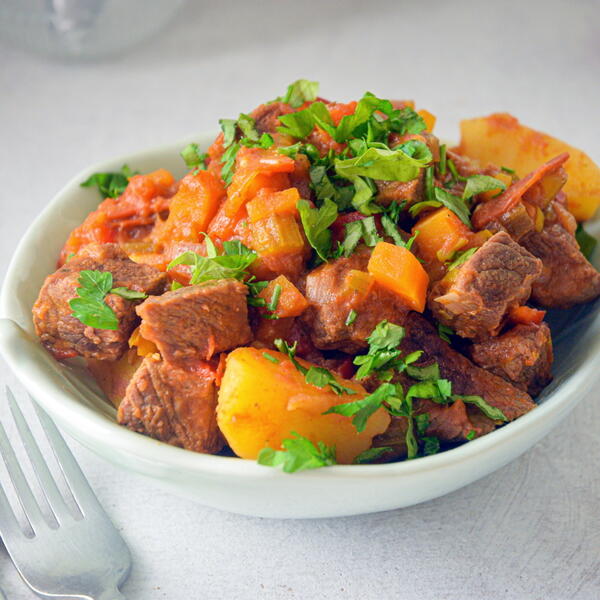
(337,110)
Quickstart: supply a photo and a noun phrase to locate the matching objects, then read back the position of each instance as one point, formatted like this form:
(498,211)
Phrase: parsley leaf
(476,184)
(350,318)
(205,268)
(193,157)
(586,242)
(383,354)
(228,127)
(487,409)
(299,454)
(316,222)
(110,185)
(247,126)
(228,160)
(372,454)
(455,204)
(128,294)
(299,92)
(362,409)
(384,164)
(461,258)
(445,332)
(89,307)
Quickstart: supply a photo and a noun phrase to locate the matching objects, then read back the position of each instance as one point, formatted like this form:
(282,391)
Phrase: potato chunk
(502,140)
(262,402)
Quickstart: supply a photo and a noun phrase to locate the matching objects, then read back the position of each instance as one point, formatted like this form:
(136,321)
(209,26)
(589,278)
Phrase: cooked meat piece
(330,304)
(467,167)
(467,378)
(495,279)
(173,405)
(393,437)
(64,335)
(399,191)
(522,356)
(194,323)
(267,116)
(567,277)
(447,422)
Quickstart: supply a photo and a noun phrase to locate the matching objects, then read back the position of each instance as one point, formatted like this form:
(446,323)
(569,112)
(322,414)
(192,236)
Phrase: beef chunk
(330,304)
(173,405)
(567,277)
(266,116)
(64,335)
(522,356)
(495,279)
(194,323)
(467,378)
(399,191)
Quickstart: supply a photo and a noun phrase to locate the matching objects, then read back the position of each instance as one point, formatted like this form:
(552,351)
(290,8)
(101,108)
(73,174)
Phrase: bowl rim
(98,428)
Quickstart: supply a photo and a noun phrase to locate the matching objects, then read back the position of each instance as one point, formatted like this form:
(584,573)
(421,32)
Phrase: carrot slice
(398,270)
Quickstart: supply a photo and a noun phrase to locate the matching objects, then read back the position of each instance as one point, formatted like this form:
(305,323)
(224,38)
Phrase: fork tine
(26,498)
(9,526)
(42,472)
(76,480)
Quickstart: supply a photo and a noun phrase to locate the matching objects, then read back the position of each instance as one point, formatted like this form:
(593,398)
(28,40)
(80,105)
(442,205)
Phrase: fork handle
(114,594)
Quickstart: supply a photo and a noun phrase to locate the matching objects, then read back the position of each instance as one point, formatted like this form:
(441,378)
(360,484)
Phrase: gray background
(528,531)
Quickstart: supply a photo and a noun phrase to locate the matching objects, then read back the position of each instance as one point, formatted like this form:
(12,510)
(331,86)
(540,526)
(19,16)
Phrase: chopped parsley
(461,258)
(455,204)
(271,358)
(90,307)
(316,223)
(317,376)
(350,318)
(587,243)
(272,306)
(193,157)
(298,454)
(213,266)
(372,454)
(299,92)
(445,332)
(477,184)
(110,185)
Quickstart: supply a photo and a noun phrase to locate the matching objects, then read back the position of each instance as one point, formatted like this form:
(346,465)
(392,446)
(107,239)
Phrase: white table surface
(531,530)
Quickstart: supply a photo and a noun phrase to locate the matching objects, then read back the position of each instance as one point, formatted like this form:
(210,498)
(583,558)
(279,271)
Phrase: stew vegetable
(329,283)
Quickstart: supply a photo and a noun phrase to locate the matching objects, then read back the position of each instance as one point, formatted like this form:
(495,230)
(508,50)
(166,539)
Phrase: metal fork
(79,557)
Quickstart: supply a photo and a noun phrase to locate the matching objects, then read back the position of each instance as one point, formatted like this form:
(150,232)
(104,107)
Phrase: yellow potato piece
(261,403)
(500,139)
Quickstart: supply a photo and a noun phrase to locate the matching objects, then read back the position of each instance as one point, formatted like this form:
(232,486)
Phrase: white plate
(74,401)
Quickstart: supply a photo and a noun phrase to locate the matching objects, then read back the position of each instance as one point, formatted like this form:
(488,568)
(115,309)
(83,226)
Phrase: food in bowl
(329,283)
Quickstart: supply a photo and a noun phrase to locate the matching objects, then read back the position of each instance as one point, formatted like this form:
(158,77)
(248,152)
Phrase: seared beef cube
(331,301)
(454,422)
(194,323)
(399,191)
(490,283)
(173,405)
(522,356)
(567,277)
(64,335)
(467,378)
(266,116)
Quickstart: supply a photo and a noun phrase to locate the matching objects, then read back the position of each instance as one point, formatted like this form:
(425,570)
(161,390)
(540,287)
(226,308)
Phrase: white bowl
(71,397)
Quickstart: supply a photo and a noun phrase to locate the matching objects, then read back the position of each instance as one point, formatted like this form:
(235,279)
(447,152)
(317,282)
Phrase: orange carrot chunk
(287,298)
(441,234)
(398,270)
(268,202)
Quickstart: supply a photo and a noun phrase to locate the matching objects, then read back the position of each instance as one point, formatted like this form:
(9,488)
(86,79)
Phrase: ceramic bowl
(71,397)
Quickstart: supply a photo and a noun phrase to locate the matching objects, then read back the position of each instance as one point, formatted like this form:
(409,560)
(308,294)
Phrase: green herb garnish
(110,185)
(90,307)
(299,454)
